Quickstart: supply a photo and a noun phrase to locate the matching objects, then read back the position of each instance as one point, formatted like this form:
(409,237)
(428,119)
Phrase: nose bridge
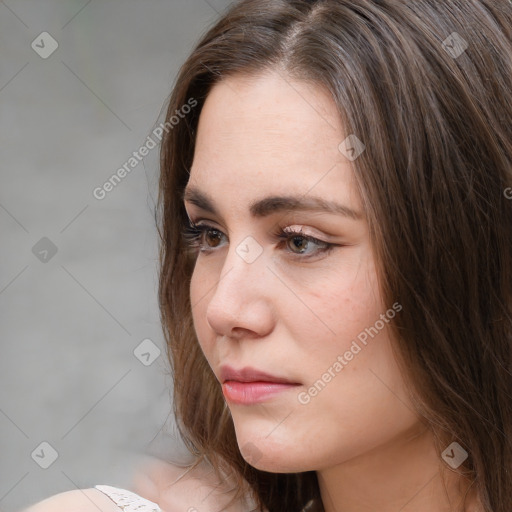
(240,299)
(244,268)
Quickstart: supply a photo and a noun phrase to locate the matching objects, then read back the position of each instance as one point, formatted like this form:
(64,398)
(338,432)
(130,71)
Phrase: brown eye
(302,245)
(205,239)
(202,237)
(214,236)
(298,242)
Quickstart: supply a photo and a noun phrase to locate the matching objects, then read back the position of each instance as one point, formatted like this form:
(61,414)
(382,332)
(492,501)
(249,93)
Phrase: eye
(206,239)
(194,236)
(294,239)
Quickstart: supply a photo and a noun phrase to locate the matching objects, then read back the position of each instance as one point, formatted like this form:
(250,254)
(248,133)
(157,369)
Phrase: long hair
(426,86)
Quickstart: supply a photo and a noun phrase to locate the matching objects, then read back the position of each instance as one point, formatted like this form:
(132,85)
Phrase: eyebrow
(274,204)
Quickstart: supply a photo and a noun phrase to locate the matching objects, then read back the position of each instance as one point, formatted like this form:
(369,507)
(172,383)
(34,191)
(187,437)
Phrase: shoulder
(79,500)
(190,487)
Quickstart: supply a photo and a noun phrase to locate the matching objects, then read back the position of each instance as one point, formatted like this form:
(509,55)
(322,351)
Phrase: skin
(78,500)
(172,487)
(292,316)
(175,488)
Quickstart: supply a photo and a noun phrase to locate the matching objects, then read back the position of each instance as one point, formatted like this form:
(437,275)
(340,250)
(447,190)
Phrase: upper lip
(249,374)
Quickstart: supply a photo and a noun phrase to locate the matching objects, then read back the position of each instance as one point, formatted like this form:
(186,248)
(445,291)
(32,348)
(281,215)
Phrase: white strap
(128,501)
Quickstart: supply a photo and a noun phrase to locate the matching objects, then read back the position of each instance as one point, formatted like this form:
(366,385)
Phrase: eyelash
(193,233)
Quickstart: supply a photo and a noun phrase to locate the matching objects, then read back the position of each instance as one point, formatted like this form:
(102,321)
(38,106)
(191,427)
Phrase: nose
(242,302)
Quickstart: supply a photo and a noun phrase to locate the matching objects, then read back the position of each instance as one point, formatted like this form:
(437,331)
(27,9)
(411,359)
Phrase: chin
(274,454)
(270,461)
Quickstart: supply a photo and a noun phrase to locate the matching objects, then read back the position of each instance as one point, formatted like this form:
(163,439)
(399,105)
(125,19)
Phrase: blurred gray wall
(85,386)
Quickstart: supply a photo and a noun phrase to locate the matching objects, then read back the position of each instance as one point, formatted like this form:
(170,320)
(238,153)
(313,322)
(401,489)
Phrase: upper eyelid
(194,222)
(203,226)
(287,229)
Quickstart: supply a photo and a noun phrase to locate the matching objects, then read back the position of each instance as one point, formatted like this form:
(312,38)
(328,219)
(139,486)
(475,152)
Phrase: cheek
(346,345)
(353,397)
(351,376)
(344,303)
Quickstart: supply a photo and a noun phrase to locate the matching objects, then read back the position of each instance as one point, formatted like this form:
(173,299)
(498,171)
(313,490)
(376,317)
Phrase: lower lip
(248,393)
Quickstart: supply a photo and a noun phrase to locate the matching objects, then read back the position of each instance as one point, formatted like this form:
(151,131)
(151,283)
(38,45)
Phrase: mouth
(249,386)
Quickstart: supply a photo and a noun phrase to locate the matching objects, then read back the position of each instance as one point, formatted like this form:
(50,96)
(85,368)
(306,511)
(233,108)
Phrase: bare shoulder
(79,500)
(176,487)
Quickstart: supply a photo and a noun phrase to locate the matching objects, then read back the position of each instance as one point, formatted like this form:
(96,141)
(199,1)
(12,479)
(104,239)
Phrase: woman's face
(267,158)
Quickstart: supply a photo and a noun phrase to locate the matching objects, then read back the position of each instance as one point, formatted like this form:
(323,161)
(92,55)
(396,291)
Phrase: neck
(406,475)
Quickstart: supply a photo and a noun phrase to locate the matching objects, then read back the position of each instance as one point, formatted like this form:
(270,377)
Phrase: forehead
(270,131)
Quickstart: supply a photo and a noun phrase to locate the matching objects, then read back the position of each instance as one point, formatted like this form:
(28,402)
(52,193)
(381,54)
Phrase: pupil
(214,234)
(304,244)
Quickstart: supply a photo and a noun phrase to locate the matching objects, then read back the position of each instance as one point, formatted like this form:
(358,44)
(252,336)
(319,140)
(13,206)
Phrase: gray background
(71,321)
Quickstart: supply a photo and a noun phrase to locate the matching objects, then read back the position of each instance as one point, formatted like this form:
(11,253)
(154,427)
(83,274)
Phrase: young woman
(336,256)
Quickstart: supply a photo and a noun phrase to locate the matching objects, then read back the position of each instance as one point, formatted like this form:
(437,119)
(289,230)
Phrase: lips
(249,386)
(249,374)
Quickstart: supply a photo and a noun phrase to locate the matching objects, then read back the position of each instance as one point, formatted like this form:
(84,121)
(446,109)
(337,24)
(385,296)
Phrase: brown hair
(436,119)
